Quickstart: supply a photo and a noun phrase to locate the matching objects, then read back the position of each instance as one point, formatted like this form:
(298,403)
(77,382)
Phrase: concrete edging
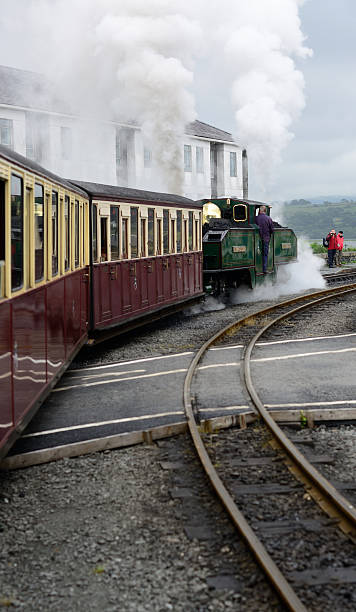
(290,417)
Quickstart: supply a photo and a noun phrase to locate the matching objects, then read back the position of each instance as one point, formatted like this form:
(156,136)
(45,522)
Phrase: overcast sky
(321,160)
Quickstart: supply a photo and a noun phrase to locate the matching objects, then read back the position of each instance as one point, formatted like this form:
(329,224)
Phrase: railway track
(249,330)
(344,276)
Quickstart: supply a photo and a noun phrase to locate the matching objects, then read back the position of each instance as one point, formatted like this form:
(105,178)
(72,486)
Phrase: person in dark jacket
(266,228)
(332,240)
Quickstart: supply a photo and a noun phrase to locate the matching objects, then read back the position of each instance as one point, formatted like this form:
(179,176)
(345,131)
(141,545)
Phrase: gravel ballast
(103,532)
(107,532)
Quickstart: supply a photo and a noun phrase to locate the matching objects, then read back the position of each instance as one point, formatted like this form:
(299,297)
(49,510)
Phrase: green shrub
(318,248)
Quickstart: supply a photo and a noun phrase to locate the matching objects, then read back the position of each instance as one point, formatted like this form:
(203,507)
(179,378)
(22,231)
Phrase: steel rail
(279,582)
(338,502)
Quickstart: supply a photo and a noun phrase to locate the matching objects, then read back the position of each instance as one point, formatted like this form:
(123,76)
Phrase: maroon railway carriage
(44,289)
(78,261)
(146,255)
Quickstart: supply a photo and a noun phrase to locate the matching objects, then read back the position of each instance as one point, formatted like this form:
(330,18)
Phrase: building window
(118,149)
(233,164)
(200,160)
(147,158)
(66,142)
(187,158)
(6,132)
(37,130)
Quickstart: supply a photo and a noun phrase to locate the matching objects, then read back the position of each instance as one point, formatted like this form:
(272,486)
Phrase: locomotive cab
(232,248)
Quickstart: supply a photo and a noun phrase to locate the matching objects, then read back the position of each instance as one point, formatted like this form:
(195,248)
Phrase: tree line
(313,220)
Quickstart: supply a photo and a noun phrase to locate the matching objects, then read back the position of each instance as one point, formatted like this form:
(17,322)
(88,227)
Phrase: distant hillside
(331,199)
(313,220)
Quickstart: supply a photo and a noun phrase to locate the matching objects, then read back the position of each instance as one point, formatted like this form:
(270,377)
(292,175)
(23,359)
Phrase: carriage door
(6,420)
(28,233)
(2,239)
(104,267)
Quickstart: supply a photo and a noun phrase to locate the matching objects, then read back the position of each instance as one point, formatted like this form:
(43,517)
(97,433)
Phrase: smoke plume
(259,42)
(133,61)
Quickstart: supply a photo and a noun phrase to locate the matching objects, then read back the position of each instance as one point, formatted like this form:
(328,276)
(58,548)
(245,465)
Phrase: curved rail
(342,508)
(279,582)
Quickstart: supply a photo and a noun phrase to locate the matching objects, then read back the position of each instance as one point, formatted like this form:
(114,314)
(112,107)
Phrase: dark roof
(33,91)
(31,166)
(28,89)
(99,191)
(204,130)
(236,199)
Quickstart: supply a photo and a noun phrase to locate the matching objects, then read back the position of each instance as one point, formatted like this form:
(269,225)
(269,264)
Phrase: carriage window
(151,231)
(76,234)
(240,212)
(134,232)
(197,245)
(165,231)
(190,243)
(39,233)
(95,234)
(82,234)
(179,231)
(54,233)
(173,236)
(185,235)
(2,238)
(143,237)
(66,233)
(17,218)
(125,238)
(159,236)
(114,232)
(104,238)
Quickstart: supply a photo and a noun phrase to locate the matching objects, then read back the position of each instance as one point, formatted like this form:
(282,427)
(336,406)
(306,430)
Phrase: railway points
(330,499)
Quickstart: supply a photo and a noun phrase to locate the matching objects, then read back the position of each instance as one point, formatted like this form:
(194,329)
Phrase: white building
(34,124)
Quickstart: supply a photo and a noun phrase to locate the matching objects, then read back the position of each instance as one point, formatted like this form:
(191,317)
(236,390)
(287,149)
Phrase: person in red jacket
(339,247)
(332,240)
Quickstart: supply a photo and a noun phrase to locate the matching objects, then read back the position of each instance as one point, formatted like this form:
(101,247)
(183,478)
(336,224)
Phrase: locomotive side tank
(232,246)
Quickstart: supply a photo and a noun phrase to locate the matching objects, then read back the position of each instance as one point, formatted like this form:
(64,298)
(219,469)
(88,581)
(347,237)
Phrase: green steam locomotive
(232,247)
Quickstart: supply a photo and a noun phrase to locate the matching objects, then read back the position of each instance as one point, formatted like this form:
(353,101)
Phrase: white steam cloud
(260,39)
(134,61)
(295,278)
(126,60)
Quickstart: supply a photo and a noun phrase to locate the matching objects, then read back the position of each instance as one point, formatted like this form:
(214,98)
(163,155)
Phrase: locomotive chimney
(244,175)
